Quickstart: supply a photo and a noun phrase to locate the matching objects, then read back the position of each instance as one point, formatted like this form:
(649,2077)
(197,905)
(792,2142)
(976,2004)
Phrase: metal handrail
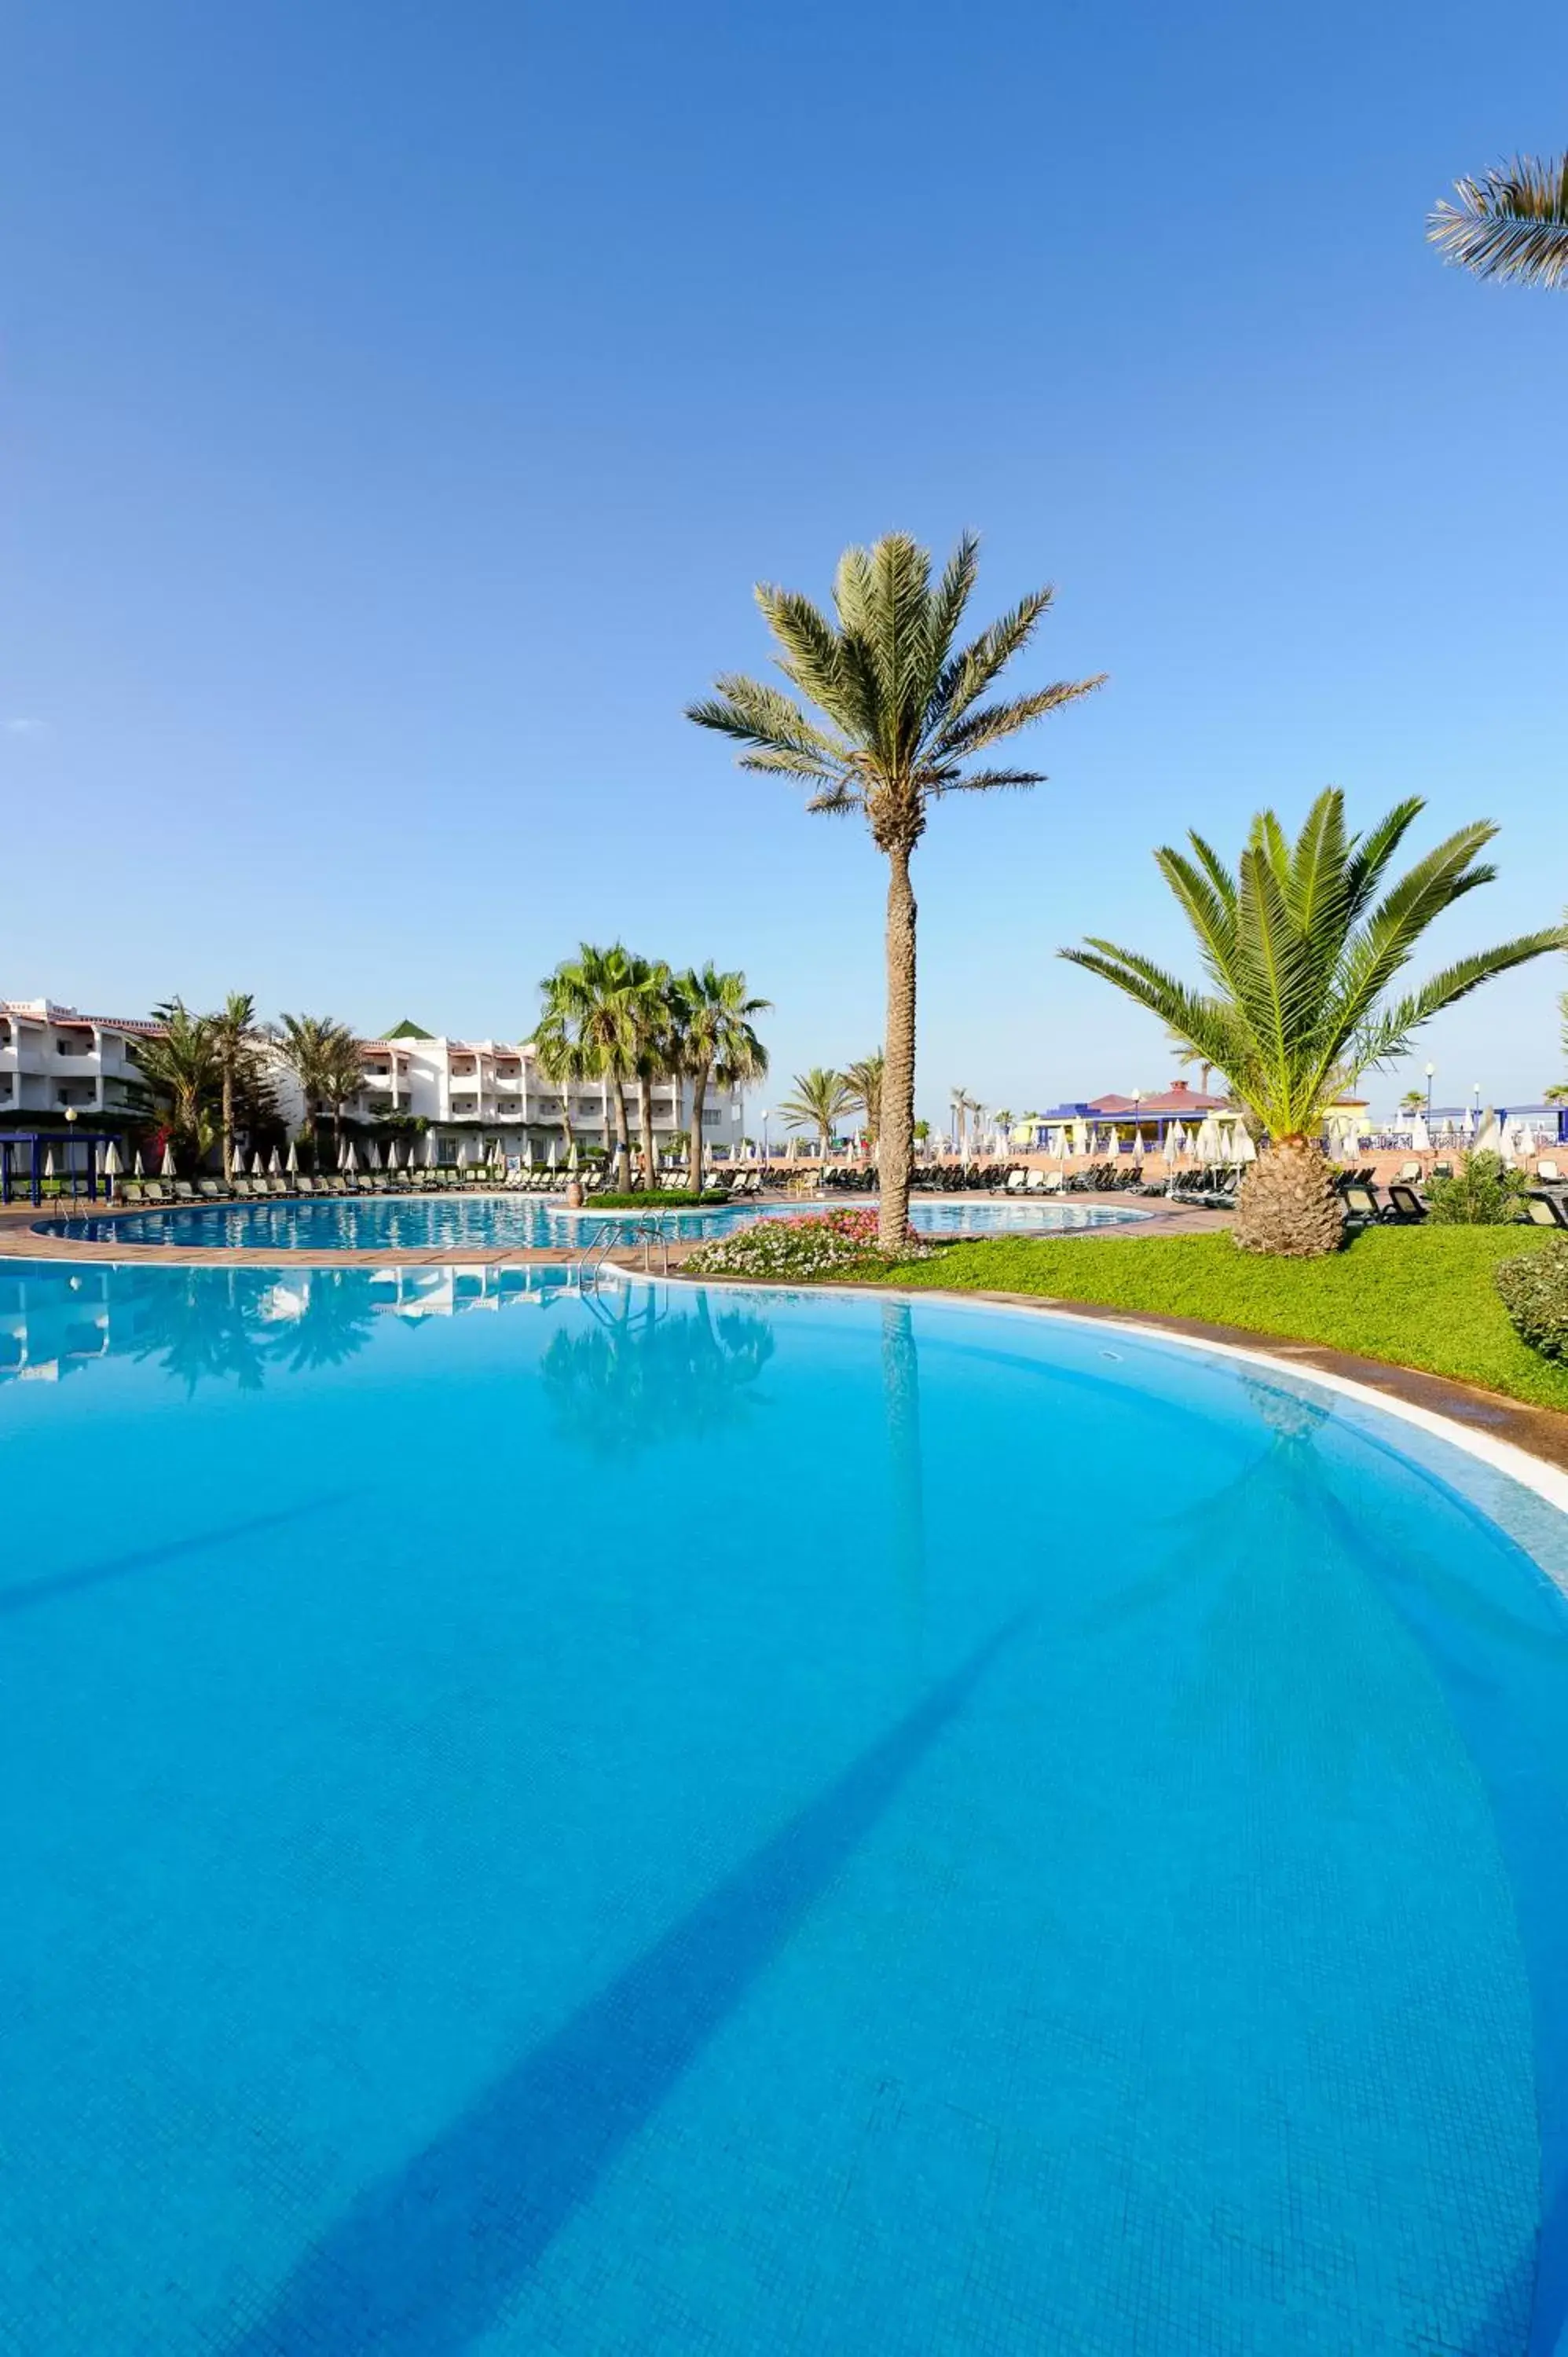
(648,1232)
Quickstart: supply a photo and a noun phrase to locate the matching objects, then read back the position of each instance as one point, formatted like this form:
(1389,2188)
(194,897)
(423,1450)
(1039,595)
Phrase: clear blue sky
(398,402)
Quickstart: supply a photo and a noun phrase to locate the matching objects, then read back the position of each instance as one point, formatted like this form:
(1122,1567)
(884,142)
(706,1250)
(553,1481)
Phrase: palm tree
(1299,954)
(233,1031)
(902,716)
(561,1057)
(1003,1117)
(1186,1055)
(180,1067)
(865,1079)
(324,1057)
(593,997)
(963,1104)
(712,1040)
(1413,1100)
(652,1016)
(1513,223)
(821,1101)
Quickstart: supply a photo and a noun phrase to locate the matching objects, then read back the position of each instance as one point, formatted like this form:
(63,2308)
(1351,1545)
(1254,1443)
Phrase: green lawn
(1420,1296)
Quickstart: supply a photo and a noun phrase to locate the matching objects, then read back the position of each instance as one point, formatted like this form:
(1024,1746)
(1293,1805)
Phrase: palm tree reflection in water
(907,1529)
(646,1373)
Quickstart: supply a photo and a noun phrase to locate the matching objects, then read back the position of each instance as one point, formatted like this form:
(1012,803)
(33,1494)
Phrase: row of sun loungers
(293,1188)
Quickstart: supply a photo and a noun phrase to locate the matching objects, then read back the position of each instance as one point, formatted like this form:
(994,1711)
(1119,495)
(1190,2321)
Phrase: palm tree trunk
(898,1073)
(623,1139)
(645,1114)
(699,1098)
(228,1119)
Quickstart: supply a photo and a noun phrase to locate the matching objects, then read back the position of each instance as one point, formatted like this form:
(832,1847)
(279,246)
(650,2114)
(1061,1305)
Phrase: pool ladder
(647,1232)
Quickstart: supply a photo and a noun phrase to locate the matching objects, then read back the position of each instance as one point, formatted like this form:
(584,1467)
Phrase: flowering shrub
(815,1243)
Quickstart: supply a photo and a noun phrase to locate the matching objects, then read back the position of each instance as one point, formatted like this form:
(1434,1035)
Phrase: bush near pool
(1535,1294)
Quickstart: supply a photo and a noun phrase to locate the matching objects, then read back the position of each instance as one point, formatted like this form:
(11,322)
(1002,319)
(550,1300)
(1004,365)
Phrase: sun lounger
(1405,1203)
(1548,1173)
(1362,1202)
(1544,1211)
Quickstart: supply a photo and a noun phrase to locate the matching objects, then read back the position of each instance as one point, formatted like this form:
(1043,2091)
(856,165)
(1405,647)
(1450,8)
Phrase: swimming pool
(684,1820)
(470,1223)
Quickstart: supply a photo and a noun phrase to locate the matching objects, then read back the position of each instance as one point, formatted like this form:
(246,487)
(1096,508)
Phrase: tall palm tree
(902,714)
(324,1057)
(180,1067)
(232,1031)
(821,1101)
(592,996)
(1003,1117)
(1511,223)
(1299,954)
(653,1015)
(963,1104)
(714,1039)
(864,1080)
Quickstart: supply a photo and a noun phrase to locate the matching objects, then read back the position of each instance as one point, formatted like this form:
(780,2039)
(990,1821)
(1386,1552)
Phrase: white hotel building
(52,1059)
(497,1086)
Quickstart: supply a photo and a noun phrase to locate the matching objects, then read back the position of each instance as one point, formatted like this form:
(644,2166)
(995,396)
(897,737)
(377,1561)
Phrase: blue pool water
(480,1223)
(677,1822)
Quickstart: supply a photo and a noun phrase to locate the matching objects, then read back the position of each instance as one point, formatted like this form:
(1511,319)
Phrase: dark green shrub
(1483,1193)
(659,1199)
(1535,1294)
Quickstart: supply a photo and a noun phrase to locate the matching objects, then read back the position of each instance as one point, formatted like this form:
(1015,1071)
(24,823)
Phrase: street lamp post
(1429,1070)
(762,1118)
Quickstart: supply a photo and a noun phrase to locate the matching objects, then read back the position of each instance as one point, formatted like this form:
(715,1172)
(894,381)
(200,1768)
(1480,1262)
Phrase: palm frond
(986,724)
(964,677)
(1458,981)
(813,655)
(984,781)
(758,714)
(1370,855)
(1205,1022)
(1209,912)
(1513,223)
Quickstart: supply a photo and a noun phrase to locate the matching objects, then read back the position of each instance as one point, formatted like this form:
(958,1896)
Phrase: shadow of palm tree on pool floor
(427,2259)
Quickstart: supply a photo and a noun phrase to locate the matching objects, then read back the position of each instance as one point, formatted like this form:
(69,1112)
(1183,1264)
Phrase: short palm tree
(821,1101)
(714,1039)
(1511,223)
(233,1031)
(865,1079)
(180,1067)
(1299,954)
(899,713)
